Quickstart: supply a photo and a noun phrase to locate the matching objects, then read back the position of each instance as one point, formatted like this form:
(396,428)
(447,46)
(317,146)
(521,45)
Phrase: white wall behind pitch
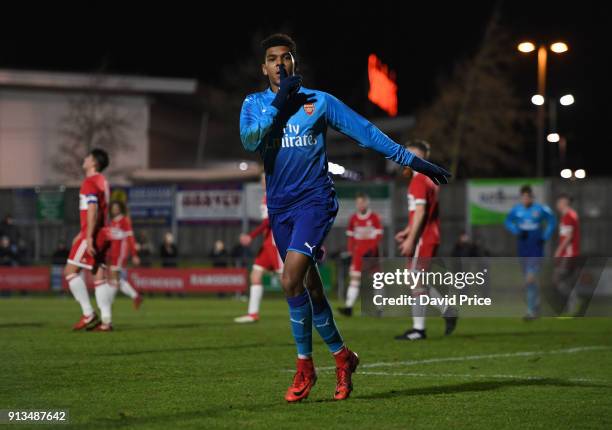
(30,138)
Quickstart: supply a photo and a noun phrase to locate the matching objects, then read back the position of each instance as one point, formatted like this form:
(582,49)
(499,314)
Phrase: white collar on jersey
(365,215)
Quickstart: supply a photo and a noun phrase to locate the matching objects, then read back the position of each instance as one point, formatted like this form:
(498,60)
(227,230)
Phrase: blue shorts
(303,229)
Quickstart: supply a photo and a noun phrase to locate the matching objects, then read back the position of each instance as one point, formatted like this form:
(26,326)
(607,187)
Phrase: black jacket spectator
(219,255)
(168,251)
(60,255)
(9,229)
(145,250)
(8,257)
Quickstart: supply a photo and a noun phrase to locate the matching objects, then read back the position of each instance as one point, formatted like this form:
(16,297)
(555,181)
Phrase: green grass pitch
(183,363)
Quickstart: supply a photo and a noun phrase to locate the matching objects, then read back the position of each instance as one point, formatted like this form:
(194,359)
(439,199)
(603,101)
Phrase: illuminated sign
(383,89)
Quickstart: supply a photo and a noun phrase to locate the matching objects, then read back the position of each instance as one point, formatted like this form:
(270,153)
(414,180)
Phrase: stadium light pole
(558,48)
(553,135)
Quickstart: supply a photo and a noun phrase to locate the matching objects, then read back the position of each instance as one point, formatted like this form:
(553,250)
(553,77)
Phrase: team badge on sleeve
(309,108)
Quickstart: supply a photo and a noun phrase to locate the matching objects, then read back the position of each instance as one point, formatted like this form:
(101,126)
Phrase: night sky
(421,42)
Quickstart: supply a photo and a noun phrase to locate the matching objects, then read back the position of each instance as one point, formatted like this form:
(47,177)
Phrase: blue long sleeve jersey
(294,149)
(533,226)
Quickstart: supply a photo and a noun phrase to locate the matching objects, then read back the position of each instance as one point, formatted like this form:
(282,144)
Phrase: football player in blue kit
(287,125)
(533,224)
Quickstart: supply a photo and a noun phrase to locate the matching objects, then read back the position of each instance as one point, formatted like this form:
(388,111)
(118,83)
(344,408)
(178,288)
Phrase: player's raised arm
(255,121)
(346,121)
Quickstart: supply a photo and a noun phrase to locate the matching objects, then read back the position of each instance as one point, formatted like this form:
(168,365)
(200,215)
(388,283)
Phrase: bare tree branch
(476,119)
(92,121)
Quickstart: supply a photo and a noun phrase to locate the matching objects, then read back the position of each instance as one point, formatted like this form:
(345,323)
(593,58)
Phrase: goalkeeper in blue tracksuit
(533,224)
(287,125)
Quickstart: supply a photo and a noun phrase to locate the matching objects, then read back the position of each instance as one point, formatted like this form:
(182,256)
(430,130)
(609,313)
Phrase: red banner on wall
(148,280)
(25,278)
(189,280)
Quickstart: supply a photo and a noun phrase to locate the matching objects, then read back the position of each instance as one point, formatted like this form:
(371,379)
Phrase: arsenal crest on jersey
(309,108)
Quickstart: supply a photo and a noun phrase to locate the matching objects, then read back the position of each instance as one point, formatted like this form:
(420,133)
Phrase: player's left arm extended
(260,229)
(350,243)
(131,243)
(551,223)
(379,231)
(350,235)
(92,215)
(348,122)
(564,243)
(418,222)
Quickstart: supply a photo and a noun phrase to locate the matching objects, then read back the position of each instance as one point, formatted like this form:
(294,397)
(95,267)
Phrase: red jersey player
(364,233)
(420,240)
(122,247)
(569,228)
(89,247)
(567,252)
(268,259)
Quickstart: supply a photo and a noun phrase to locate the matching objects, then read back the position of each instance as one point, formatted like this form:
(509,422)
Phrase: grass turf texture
(183,363)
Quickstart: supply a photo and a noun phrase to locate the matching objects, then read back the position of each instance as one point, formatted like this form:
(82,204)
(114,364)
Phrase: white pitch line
(468,376)
(476,357)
